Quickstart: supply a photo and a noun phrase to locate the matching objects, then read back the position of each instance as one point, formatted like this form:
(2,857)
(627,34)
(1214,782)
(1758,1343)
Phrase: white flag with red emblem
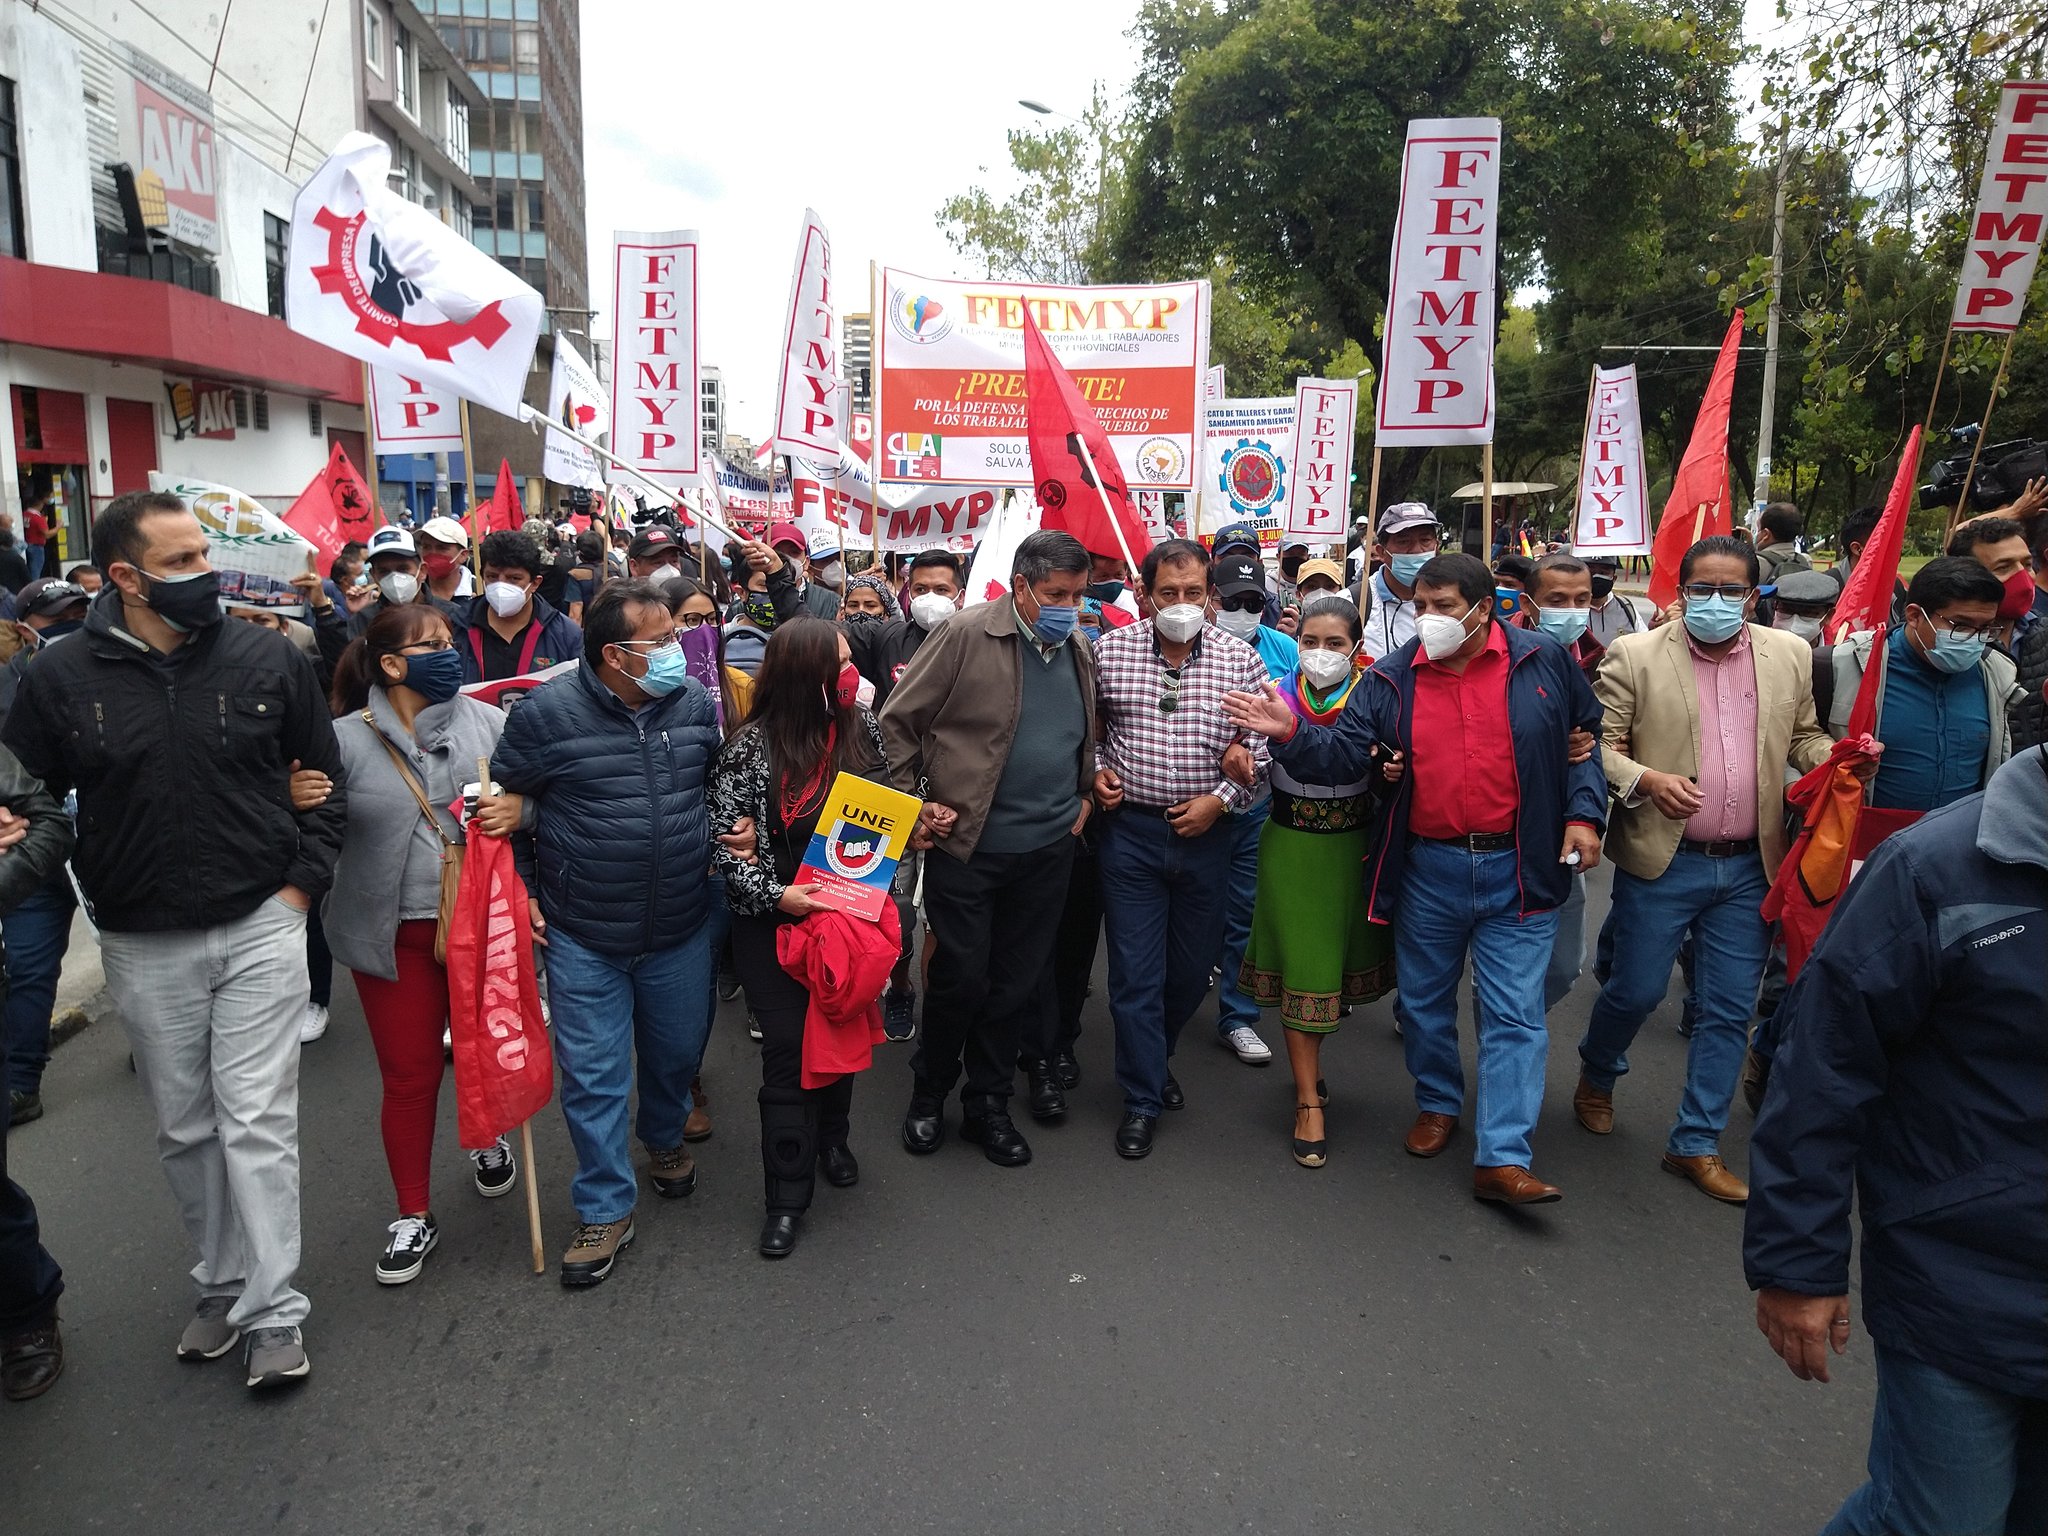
(575,402)
(381,279)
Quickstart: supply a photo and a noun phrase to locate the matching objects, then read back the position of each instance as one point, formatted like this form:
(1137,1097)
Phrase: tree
(1049,230)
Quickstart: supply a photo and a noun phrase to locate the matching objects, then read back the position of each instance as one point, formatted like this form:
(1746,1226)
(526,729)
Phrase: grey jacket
(1849,659)
(361,914)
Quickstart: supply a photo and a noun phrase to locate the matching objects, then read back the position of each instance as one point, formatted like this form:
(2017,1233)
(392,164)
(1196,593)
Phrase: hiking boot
(594,1249)
(698,1126)
(673,1171)
(23,1107)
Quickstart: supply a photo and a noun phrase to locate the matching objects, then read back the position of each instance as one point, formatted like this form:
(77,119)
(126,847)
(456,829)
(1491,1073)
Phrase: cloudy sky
(732,118)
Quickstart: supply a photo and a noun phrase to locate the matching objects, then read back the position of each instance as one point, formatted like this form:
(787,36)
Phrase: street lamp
(1101,148)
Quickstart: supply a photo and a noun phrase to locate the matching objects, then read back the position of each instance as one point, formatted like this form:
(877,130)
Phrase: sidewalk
(82,998)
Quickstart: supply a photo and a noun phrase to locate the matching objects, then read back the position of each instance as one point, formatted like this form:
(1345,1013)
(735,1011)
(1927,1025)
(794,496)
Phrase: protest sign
(575,401)
(839,495)
(412,416)
(1614,514)
(2012,207)
(862,832)
(1250,445)
(1325,432)
(1437,385)
(654,355)
(949,375)
(248,545)
(809,416)
(746,495)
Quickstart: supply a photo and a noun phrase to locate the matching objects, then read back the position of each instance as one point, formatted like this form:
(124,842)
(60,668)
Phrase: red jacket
(844,963)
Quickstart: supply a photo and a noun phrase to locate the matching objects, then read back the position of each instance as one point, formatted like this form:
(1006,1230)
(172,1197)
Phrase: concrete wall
(42,60)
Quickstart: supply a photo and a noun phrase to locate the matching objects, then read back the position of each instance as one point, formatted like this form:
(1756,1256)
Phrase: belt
(1471,842)
(1727,848)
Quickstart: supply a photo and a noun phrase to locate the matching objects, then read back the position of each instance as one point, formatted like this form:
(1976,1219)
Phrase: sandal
(1310,1154)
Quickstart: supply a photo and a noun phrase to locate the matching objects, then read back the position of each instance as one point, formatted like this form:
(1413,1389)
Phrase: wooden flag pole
(476,538)
(1983,431)
(1948,336)
(1486,504)
(540,1262)
(1115,527)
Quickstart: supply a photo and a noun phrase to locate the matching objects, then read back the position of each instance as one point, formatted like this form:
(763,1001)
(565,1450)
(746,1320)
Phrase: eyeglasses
(1701,591)
(693,620)
(1963,629)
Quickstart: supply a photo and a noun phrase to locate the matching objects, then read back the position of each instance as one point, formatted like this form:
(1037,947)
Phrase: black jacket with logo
(182,766)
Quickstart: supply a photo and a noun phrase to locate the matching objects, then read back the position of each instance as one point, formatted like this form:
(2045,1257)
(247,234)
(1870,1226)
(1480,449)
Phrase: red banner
(336,508)
(504,1067)
(1698,507)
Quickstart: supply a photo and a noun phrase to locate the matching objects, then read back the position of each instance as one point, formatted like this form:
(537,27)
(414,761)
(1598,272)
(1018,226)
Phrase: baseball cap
(780,534)
(445,529)
(648,540)
(1230,535)
(1815,588)
(1407,514)
(1329,568)
(1236,574)
(825,544)
(390,540)
(53,594)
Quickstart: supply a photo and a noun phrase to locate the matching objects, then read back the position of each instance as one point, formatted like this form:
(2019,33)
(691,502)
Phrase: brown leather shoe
(1511,1185)
(1430,1134)
(1711,1175)
(1594,1107)
(31,1361)
(698,1126)
(1756,1077)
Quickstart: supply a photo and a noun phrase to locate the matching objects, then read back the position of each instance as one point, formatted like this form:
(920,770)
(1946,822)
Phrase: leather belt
(1471,842)
(1727,848)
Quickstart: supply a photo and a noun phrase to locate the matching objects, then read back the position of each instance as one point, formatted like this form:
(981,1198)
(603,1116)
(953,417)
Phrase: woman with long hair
(410,741)
(778,769)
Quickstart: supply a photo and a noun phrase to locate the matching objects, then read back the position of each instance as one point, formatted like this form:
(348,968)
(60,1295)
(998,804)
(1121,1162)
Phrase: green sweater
(1038,795)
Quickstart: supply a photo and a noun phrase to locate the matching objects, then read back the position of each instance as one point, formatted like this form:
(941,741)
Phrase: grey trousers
(213,1017)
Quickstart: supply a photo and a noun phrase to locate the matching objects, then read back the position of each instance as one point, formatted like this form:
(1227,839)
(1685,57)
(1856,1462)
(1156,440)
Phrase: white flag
(1613,516)
(575,402)
(807,418)
(654,355)
(381,279)
(995,557)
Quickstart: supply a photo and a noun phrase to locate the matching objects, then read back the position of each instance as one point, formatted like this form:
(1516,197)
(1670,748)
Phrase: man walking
(180,734)
(1410,535)
(614,755)
(1914,1075)
(993,725)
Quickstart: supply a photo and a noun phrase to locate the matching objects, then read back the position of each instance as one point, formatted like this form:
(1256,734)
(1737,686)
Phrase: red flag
(504,1067)
(1866,600)
(334,508)
(504,511)
(1071,460)
(1699,506)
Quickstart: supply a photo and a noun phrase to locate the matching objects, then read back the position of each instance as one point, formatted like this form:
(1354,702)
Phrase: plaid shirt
(1167,756)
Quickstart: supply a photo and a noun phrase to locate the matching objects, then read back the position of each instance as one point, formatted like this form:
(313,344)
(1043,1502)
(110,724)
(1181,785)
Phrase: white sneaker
(448,1042)
(314,1025)
(1251,1050)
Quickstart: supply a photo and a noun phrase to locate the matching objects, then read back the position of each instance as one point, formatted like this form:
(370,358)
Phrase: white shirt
(1391,624)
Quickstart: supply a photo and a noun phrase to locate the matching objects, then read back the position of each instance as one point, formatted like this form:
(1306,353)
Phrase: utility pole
(1770,402)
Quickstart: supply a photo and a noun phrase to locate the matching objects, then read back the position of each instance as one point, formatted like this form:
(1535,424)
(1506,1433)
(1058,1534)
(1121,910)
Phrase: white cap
(446,529)
(390,540)
(825,544)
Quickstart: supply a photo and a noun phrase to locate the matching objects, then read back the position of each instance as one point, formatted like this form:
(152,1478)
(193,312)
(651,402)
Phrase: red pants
(406,1017)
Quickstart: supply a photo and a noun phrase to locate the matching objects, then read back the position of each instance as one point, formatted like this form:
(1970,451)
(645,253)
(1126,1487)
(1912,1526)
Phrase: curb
(74,1021)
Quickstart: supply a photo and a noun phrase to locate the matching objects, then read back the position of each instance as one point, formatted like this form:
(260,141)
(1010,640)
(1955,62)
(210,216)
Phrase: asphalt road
(1211,1340)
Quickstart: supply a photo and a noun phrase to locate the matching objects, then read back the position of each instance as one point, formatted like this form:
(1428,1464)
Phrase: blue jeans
(606,1009)
(1451,901)
(32,556)
(1949,1458)
(1718,900)
(1162,913)
(36,935)
(1233,1009)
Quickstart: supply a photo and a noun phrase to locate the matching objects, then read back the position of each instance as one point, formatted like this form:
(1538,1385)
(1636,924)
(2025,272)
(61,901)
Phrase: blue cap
(1235,534)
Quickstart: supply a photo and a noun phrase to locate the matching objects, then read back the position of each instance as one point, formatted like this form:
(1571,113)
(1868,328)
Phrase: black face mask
(1105,591)
(58,630)
(188,604)
(1290,565)
(1602,585)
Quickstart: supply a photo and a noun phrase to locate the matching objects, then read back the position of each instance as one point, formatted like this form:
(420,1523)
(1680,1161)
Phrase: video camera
(2003,470)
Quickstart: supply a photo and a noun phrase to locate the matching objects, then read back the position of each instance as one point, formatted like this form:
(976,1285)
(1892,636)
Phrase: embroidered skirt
(1311,948)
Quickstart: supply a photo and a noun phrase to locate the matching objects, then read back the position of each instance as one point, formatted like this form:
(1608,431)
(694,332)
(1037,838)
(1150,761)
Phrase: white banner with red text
(574,401)
(654,355)
(412,416)
(2012,206)
(838,497)
(810,417)
(1325,432)
(1614,513)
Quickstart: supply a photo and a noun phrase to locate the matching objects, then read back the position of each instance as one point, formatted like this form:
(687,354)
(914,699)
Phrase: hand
(1865,768)
(1262,712)
(1109,788)
(1802,1329)
(1191,818)
(739,842)
(1080,821)
(1677,798)
(1585,842)
(761,557)
(1290,621)
(540,924)
(936,820)
(356,599)
(1578,746)
(1392,769)
(2030,501)
(800,900)
(498,815)
(13,828)
(307,583)
(1238,766)
(295,898)
(310,788)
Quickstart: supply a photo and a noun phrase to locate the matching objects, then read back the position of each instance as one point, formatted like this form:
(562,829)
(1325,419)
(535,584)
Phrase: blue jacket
(620,854)
(1914,1065)
(1547,696)
(560,639)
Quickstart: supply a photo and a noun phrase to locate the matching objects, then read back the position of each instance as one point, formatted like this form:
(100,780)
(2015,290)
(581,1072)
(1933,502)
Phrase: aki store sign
(167,137)
(200,408)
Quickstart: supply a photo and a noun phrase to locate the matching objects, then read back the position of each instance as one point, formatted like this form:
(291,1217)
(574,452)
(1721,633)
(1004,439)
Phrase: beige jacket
(1651,719)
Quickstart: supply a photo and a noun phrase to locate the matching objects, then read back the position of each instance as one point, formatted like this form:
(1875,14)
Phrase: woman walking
(1312,951)
(778,769)
(410,742)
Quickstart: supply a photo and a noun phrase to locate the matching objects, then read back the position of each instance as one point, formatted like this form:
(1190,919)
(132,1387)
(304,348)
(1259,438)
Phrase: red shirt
(1462,761)
(35,528)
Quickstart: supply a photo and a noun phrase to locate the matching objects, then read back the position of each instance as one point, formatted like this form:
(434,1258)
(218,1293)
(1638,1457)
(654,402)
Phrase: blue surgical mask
(436,676)
(1054,624)
(1566,624)
(1713,620)
(1405,568)
(1956,653)
(667,667)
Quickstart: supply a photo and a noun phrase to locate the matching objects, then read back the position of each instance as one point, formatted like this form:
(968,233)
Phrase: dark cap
(1235,536)
(1808,588)
(1236,574)
(649,541)
(51,594)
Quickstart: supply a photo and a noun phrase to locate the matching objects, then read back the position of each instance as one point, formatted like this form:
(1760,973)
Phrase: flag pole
(1486,503)
(476,538)
(1115,527)
(1948,336)
(1983,431)
(534,418)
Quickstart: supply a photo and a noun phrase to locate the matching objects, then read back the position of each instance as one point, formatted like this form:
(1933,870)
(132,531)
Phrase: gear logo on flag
(1253,476)
(920,319)
(359,272)
(1052,493)
(854,851)
(1161,460)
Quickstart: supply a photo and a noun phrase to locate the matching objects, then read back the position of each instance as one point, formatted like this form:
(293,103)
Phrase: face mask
(398,586)
(1290,565)
(846,687)
(1105,591)
(1054,623)
(2019,595)
(59,630)
(438,566)
(760,611)
(186,603)
(860,618)
(1805,626)
(1440,634)
(1324,669)
(436,676)
(504,598)
(1955,653)
(1236,621)
(667,667)
(1179,623)
(1405,568)
(1567,624)
(1602,585)
(928,610)
(827,573)
(1715,620)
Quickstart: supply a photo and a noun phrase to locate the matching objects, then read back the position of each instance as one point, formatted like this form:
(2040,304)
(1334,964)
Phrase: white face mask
(1235,621)
(1180,623)
(1325,669)
(1805,626)
(928,610)
(398,586)
(1440,636)
(504,598)
(827,573)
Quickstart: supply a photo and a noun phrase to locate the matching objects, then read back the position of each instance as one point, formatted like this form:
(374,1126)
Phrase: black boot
(1048,1099)
(789,1157)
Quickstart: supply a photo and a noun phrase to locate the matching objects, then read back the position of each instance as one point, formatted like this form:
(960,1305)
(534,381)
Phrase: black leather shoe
(1134,1136)
(1047,1101)
(31,1361)
(924,1125)
(839,1166)
(1171,1096)
(1000,1140)
(1068,1070)
(778,1236)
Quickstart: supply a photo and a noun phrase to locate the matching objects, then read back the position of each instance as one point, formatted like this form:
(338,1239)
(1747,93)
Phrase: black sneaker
(497,1170)
(23,1107)
(728,986)
(412,1239)
(899,1014)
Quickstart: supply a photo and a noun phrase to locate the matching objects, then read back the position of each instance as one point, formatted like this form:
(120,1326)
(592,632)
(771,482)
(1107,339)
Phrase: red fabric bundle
(844,963)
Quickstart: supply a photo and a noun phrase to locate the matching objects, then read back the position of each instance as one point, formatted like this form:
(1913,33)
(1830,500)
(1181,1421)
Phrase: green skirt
(1311,948)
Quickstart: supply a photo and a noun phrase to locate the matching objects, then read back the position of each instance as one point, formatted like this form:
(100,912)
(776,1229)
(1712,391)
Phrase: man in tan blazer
(1701,718)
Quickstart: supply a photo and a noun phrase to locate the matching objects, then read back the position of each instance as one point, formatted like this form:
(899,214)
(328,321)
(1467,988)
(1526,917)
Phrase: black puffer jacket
(620,855)
(183,769)
(2030,713)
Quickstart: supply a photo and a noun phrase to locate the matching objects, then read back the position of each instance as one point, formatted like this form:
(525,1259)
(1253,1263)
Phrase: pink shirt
(1728,727)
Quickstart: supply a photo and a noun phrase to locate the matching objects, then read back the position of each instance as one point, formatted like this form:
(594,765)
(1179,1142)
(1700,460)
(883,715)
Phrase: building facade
(711,413)
(856,359)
